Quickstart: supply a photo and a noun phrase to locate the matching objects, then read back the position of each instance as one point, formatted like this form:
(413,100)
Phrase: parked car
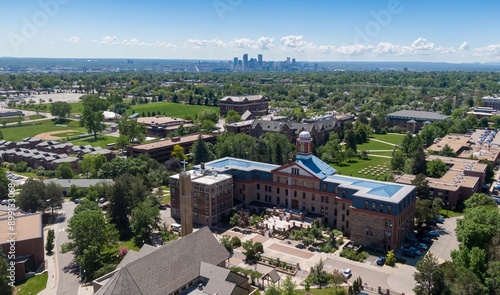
(163,206)
(414,249)
(440,219)
(426,240)
(76,201)
(102,200)
(408,253)
(421,246)
(432,234)
(381,260)
(347,273)
(5,202)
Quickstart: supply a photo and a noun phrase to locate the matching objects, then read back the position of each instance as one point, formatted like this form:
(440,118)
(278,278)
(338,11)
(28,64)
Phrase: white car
(347,273)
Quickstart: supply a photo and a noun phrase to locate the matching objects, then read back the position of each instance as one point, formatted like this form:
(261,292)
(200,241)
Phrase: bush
(353,255)
(21,166)
(235,242)
(327,248)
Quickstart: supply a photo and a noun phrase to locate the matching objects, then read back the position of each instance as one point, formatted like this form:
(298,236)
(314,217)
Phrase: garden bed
(281,266)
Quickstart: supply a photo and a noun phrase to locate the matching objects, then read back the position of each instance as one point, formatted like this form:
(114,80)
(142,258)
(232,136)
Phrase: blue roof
(221,163)
(317,167)
(377,188)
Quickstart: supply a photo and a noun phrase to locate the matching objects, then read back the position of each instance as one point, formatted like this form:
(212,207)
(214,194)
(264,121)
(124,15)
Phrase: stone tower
(186,203)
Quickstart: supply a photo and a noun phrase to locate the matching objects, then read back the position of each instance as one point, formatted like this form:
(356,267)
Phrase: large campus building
(372,213)
(413,121)
(257,104)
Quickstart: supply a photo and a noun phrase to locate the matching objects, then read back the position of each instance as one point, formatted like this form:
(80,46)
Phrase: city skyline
(390,30)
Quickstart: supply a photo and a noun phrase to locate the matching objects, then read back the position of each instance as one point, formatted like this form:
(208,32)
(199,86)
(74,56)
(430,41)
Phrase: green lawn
(76,107)
(391,137)
(35,117)
(33,285)
(170,109)
(16,133)
(353,169)
(101,141)
(374,145)
(69,134)
(8,120)
(449,213)
(129,244)
(323,291)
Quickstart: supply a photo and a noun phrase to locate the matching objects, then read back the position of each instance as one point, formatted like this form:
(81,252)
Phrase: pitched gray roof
(167,269)
(241,98)
(417,115)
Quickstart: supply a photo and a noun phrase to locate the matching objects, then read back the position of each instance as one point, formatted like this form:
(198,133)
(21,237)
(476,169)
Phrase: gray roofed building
(417,116)
(171,268)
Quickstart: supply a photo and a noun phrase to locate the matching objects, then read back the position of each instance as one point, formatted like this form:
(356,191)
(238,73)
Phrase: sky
(331,30)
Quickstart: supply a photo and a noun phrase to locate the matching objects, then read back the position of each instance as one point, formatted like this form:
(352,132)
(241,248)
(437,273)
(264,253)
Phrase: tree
(91,164)
(60,109)
(90,234)
(390,258)
(419,165)
(252,251)
(406,145)
(427,275)
(479,199)
(338,279)
(490,174)
(64,171)
(398,161)
(49,246)
(32,196)
(447,151)
(350,140)
(318,275)
(6,286)
(92,114)
(478,227)
(272,290)
(422,186)
(288,286)
(132,129)
(200,151)
(225,240)
(54,197)
(178,152)
(122,142)
(144,220)
(208,114)
(232,116)
(436,168)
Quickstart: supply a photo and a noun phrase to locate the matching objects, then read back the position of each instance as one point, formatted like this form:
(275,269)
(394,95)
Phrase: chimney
(203,166)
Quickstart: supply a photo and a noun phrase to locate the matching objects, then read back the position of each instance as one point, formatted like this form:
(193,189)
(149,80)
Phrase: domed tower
(304,145)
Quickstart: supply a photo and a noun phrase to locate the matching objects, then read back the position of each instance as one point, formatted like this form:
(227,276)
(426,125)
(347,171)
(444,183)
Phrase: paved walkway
(380,156)
(383,141)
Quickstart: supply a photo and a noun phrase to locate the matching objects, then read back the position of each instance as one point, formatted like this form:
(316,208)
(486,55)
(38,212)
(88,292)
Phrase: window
(343,217)
(295,194)
(265,188)
(304,184)
(381,208)
(303,195)
(313,209)
(286,192)
(326,199)
(324,187)
(243,187)
(366,205)
(258,196)
(258,185)
(295,171)
(206,198)
(374,206)
(347,212)
(343,206)
(335,212)
(277,190)
(347,224)
(389,209)
(322,209)
(313,197)
(322,199)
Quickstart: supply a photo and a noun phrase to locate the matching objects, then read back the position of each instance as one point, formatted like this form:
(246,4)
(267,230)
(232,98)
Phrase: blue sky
(335,30)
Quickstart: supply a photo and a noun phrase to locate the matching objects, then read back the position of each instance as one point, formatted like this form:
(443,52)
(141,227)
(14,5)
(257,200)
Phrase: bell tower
(304,145)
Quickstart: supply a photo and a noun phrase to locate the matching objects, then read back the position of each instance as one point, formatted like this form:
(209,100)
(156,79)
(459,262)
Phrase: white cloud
(135,41)
(354,49)
(464,46)
(263,43)
(73,39)
(203,43)
(108,40)
(490,50)
(165,45)
(296,42)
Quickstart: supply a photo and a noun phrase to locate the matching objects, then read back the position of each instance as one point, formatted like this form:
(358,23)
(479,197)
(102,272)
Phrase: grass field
(374,145)
(35,117)
(76,108)
(69,134)
(323,291)
(391,137)
(170,109)
(16,133)
(33,285)
(353,169)
(101,141)
(129,244)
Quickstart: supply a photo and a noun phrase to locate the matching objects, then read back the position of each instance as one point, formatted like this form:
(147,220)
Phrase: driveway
(447,239)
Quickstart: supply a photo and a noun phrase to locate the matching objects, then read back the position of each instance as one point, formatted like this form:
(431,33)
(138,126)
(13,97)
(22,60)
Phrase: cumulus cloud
(464,46)
(296,42)
(73,39)
(135,41)
(108,40)
(354,49)
(490,50)
(164,44)
(263,43)
(203,43)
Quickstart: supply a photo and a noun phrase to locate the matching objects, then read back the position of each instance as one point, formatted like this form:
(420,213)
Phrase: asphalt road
(447,239)
(67,281)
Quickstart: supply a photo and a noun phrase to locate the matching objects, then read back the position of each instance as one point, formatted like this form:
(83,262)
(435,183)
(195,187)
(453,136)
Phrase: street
(67,276)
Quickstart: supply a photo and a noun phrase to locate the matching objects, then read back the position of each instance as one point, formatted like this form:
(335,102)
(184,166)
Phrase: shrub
(391,258)
(235,242)
(353,255)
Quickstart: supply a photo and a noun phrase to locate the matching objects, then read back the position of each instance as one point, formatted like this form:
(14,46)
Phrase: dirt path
(49,135)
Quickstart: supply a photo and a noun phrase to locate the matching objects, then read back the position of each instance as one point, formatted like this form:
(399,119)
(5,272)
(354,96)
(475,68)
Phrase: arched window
(366,205)
(381,208)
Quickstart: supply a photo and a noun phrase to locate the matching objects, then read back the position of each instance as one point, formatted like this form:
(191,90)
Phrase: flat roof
(78,182)
(207,177)
(28,226)
(420,115)
(242,123)
(373,189)
(228,162)
(161,120)
(168,142)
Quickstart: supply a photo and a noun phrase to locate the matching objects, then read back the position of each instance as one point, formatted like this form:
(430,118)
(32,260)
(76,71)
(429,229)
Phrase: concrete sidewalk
(51,263)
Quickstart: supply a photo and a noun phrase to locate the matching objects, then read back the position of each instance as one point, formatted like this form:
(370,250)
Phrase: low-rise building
(194,264)
(257,104)
(161,150)
(83,184)
(413,121)
(491,101)
(463,178)
(162,126)
(28,248)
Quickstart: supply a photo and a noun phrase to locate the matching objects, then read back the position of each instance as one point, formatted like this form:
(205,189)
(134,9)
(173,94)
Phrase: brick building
(373,213)
(257,104)
(161,150)
(413,121)
(463,178)
(29,247)
(162,126)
